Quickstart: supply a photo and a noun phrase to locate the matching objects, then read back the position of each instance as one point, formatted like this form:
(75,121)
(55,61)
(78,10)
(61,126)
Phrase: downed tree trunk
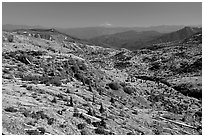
(83,112)
(91,117)
(91,127)
(178,123)
(28,61)
(154,79)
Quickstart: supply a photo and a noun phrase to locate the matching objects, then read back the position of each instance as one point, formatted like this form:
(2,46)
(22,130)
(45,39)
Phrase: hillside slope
(55,86)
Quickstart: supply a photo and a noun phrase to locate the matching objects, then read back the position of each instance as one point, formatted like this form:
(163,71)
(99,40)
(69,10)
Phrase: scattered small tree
(112,100)
(90,88)
(101,110)
(103,123)
(93,99)
(50,121)
(129,90)
(54,100)
(83,81)
(71,102)
(76,112)
(67,91)
(91,112)
(81,126)
(114,85)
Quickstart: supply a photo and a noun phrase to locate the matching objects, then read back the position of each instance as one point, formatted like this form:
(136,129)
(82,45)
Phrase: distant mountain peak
(106,24)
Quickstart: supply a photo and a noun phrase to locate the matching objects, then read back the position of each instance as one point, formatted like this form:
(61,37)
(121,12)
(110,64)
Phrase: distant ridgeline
(37,33)
(48,34)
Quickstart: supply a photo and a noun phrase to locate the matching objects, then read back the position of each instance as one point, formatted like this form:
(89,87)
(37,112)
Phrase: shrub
(41,130)
(24,85)
(78,76)
(114,85)
(47,84)
(76,112)
(122,65)
(82,66)
(29,87)
(33,78)
(54,100)
(88,120)
(10,38)
(56,81)
(155,66)
(75,68)
(90,88)
(100,90)
(187,89)
(6,71)
(129,90)
(32,123)
(135,112)
(45,80)
(68,91)
(50,121)
(10,109)
(71,102)
(123,84)
(101,130)
(60,96)
(130,133)
(101,110)
(112,100)
(84,132)
(41,114)
(51,49)
(87,81)
(91,112)
(156,98)
(25,58)
(93,99)
(96,124)
(81,126)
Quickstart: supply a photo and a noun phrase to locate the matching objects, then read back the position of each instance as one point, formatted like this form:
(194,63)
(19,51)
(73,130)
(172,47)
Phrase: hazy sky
(68,15)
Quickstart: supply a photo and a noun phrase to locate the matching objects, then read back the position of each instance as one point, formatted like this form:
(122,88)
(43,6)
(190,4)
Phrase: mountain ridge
(133,40)
(90,32)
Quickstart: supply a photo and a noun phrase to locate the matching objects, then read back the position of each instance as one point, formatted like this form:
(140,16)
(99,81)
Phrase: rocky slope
(55,86)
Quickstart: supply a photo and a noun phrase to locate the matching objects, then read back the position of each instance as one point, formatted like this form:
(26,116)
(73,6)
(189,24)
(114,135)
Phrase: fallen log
(83,112)
(28,61)
(96,128)
(178,123)
(91,117)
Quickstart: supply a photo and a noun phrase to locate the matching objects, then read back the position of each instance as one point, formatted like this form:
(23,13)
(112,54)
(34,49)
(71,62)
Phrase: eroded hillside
(56,84)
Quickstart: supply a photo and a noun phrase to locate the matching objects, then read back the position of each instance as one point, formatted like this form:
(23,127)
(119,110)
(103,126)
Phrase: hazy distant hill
(160,28)
(90,32)
(136,40)
(177,35)
(129,39)
(10,27)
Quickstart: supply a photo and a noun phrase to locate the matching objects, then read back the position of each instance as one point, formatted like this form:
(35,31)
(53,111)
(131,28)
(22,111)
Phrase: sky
(73,15)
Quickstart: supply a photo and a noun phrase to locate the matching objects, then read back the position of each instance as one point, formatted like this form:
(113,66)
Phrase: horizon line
(103,26)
